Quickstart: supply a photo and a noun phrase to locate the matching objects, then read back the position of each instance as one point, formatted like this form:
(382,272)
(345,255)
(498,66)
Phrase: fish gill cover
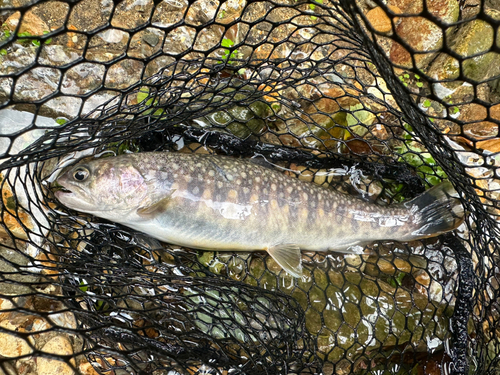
(378,99)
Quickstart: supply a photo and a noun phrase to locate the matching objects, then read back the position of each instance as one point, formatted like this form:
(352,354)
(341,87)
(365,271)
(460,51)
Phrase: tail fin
(437,211)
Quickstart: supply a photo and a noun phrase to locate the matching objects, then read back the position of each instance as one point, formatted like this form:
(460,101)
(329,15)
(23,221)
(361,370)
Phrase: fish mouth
(59,190)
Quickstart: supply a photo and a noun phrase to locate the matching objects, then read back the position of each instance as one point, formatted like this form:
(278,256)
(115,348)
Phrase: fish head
(108,187)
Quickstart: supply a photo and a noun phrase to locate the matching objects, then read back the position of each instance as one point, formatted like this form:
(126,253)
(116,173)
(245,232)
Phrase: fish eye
(81,174)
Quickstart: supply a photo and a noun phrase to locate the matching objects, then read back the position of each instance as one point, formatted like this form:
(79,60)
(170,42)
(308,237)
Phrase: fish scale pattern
(377,99)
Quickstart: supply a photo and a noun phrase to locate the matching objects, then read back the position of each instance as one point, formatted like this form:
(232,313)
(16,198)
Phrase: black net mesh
(380,99)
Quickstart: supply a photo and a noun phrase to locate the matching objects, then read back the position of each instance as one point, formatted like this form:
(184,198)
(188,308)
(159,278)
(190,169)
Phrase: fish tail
(437,211)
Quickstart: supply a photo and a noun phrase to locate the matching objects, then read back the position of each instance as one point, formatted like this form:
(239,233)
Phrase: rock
(421,34)
(89,15)
(37,84)
(83,78)
(179,40)
(30,23)
(161,64)
(59,345)
(99,98)
(355,262)
(123,74)
(18,58)
(380,21)
(146,43)
(473,37)
(52,13)
(87,369)
(130,14)
(13,282)
(62,106)
(12,346)
(201,12)
(107,45)
(168,13)
(492,145)
(57,54)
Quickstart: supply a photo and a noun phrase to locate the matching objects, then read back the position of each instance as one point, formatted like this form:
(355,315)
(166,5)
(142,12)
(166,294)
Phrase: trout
(222,203)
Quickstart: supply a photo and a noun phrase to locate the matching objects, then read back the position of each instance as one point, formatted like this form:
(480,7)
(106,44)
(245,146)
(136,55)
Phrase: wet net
(377,99)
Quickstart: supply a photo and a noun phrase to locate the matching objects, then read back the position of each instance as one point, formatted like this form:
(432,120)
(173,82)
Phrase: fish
(214,202)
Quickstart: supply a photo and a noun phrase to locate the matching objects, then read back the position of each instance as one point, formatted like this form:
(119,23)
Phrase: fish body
(221,203)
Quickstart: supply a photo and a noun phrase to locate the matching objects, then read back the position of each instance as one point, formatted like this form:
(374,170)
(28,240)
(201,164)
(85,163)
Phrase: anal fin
(288,256)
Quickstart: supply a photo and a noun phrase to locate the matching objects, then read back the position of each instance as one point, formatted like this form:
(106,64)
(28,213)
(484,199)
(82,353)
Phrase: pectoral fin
(150,211)
(288,256)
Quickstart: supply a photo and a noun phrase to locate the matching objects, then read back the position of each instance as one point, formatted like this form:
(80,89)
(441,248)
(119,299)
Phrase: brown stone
(12,346)
(130,14)
(30,23)
(87,369)
(380,21)
(89,15)
(492,145)
(59,345)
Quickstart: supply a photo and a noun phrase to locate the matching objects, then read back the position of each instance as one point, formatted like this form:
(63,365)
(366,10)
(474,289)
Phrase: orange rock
(48,261)
(471,112)
(492,145)
(379,19)
(30,23)
(13,218)
(495,112)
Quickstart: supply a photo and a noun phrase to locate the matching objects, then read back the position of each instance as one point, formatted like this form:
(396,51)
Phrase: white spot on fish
(220,184)
(246,190)
(174,166)
(243,175)
(289,189)
(273,187)
(196,190)
(238,181)
(231,211)
(257,179)
(211,173)
(383,220)
(305,196)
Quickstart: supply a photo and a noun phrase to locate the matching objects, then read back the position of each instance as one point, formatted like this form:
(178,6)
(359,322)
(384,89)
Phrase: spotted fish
(223,203)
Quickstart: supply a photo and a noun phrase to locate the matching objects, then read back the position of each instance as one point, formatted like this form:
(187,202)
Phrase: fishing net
(377,99)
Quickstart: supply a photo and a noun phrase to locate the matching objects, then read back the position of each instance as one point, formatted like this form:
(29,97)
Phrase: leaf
(427,103)
(227,43)
(142,94)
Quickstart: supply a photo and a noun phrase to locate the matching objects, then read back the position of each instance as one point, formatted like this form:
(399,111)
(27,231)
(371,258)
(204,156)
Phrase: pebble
(59,345)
